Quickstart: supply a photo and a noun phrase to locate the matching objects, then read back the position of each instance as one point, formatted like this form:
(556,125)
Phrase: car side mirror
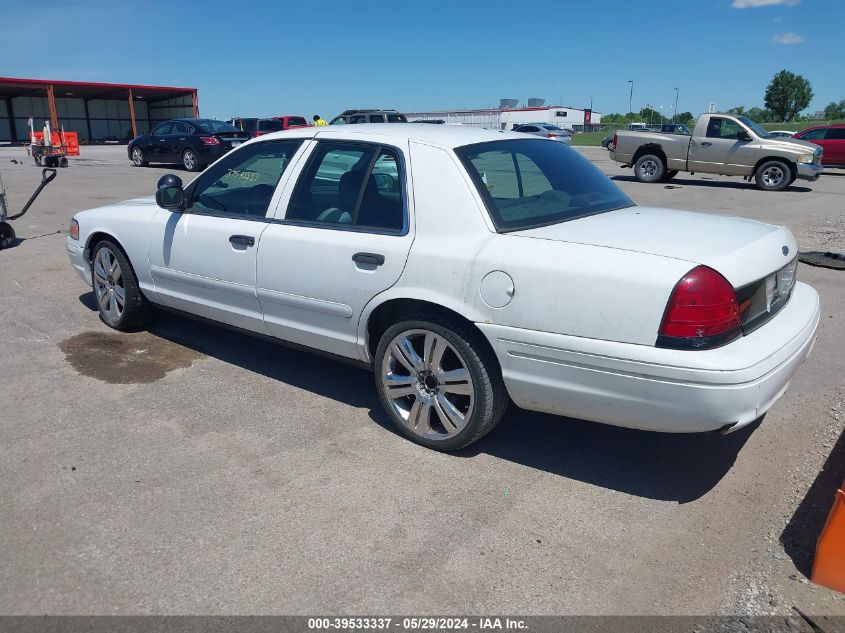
(169,193)
(742,135)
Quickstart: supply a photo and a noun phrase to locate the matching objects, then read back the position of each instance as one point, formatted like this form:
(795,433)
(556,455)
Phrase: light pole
(631,96)
(675,111)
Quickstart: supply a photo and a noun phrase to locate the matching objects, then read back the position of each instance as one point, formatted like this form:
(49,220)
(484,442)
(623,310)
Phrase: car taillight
(702,312)
(209,140)
(550,135)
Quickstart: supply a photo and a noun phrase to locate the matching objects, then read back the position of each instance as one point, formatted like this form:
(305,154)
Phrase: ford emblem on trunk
(785,250)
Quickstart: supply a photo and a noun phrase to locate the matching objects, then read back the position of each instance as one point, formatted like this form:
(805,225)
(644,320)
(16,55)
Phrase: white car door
(203,259)
(342,237)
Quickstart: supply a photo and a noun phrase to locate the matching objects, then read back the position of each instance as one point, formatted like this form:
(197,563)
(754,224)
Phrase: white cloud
(753,4)
(787,38)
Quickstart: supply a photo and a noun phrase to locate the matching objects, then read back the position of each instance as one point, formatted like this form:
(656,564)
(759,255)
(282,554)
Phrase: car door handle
(368,258)
(242,240)
(706,144)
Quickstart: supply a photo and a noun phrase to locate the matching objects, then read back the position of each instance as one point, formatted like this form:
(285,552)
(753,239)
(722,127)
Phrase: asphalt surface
(187,469)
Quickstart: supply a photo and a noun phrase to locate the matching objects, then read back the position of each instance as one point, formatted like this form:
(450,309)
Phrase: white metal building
(568,118)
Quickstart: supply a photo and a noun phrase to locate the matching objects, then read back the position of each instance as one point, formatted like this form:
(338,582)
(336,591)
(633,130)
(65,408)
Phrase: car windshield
(755,127)
(529,183)
(211,126)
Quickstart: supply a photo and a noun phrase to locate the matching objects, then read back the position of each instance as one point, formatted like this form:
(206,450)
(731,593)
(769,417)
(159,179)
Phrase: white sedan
(466,267)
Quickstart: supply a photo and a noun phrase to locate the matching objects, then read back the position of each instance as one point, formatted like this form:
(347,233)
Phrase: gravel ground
(187,469)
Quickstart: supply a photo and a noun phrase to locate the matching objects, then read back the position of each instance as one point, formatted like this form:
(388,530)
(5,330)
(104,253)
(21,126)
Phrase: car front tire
(138,157)
(439,381)
(649,168)
(120,302)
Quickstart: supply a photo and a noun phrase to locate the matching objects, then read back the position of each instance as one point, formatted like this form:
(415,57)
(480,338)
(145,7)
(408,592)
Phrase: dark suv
(368,116)
(193,142)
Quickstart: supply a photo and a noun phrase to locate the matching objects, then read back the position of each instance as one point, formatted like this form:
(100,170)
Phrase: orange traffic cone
(829,565)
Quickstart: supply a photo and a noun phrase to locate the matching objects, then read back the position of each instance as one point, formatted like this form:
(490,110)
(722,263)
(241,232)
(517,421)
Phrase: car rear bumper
(809,172)
(656,389)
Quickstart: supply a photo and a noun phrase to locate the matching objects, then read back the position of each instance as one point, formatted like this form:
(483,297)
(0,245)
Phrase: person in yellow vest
(318,121)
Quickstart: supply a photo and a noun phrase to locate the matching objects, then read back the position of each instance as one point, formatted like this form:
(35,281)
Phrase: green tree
(835,110)
(684,117)
(787,95)
(738,110)
(760,115)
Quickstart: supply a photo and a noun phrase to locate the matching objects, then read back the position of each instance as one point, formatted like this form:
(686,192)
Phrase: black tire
(7,235)
(139,160)
(63,162)
(490,398)
(137,311)
(773,175)
(649,168)
(669,174)
(190,161)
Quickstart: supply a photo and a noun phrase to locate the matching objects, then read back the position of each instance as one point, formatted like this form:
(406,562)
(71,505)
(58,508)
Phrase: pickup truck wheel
(671,173)
(121,304)
(439,381)
(773,175)
(649,168)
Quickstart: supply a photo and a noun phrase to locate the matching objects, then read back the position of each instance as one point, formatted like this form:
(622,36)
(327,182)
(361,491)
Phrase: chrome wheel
(773,176)
(648,168)
(189,159)
(108,285)
(427,384)
(138,157)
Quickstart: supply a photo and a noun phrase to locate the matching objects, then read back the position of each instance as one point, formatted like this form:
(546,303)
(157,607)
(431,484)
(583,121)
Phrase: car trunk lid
(743,251)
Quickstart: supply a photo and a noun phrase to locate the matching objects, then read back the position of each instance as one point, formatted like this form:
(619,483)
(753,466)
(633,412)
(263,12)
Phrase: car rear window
(529,183)
(211,127)
(296,120)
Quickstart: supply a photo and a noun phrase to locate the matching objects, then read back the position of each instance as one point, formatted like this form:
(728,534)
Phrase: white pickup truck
(720,144)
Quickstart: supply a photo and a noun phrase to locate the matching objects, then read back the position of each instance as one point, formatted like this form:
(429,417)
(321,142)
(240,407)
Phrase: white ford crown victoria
(466,266)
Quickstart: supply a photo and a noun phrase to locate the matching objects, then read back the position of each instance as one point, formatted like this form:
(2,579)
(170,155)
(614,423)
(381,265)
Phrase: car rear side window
(243,182)
(350,185)
(529,183)
(396,118)
(835,134)
(376,118)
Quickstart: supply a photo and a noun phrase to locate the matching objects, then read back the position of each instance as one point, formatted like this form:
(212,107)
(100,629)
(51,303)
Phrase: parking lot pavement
(188,469)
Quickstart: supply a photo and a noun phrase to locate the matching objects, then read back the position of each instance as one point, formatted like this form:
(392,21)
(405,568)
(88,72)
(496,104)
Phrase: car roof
(816,127)
(445,136)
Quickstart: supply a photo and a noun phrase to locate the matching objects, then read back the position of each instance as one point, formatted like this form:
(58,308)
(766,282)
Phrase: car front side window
(161,129)
(243,183)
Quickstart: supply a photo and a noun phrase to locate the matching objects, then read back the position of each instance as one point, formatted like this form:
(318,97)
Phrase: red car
(831,138)
(291,122)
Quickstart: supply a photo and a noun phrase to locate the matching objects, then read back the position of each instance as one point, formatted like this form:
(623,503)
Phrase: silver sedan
(546,130)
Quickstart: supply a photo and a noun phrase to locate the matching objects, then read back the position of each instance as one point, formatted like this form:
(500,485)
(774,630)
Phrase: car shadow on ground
(800,534)
(702,182)
(671,467)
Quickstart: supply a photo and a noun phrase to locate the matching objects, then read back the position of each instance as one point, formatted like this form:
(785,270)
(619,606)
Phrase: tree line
(786,96)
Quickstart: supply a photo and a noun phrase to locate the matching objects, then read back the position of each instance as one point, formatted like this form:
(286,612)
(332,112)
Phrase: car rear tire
(671,173)
(439,381)
(649,168)
(773,175)
(190,161)
(138,157)
(120,302)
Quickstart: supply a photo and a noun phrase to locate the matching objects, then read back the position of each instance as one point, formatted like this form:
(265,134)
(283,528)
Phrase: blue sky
(273,58)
